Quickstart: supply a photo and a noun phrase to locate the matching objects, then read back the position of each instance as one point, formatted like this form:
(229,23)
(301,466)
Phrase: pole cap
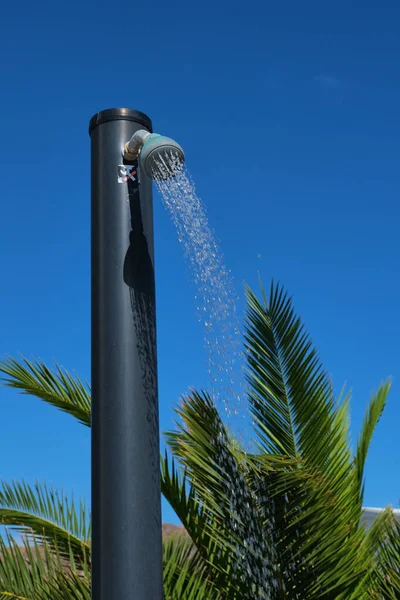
(120,114)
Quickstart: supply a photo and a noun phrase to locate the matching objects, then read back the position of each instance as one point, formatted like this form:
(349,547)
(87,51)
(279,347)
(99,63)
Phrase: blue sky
(289,120)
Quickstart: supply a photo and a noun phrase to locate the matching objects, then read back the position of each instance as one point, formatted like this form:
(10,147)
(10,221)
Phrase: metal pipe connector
(132,148)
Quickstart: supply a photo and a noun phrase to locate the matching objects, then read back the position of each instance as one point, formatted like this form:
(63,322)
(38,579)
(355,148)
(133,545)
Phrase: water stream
(215,297)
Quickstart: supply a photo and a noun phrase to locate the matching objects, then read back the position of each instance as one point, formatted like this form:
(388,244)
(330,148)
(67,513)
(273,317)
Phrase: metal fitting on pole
(132,148)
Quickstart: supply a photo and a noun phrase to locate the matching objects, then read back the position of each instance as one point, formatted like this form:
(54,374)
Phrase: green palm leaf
(296,414)
(242,551)
(59,388)
(187,505)
(47,514)
(387,572)
(186,576)
(374,412)
(290,393)
(30,571)
(68,587)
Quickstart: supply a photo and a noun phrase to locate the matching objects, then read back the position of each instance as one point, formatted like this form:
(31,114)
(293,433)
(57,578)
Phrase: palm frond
(296,414)
(387,573)
(374,412)
(58,388)
(68,586)
(291,396)
(45,513)
(186,576)
(382,545)
(290,393)
(269,394)
(183,499)
(242,550)
(27,572)
(194,513)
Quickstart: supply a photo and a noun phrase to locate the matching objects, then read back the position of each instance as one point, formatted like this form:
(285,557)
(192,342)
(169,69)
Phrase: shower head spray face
(161,157)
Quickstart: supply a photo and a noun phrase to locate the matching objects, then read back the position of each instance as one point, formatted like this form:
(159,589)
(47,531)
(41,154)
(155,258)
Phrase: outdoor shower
(159,156)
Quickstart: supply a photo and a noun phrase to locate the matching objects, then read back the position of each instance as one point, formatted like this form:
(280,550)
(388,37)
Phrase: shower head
(159,156)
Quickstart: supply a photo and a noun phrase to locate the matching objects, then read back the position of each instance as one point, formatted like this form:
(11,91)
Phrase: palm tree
(281,522)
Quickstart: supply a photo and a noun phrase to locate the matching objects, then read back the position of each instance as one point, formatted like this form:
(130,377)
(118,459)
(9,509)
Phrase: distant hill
(168,529)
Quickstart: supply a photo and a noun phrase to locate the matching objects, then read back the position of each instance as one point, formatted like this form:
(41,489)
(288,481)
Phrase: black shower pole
(126,512)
